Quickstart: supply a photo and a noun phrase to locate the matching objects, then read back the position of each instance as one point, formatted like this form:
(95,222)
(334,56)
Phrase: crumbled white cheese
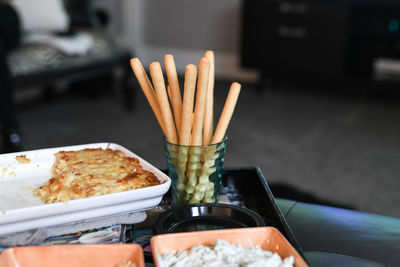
(224,254)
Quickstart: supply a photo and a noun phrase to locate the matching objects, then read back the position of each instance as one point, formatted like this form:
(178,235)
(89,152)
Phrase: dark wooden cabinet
(338,38)
(294,37)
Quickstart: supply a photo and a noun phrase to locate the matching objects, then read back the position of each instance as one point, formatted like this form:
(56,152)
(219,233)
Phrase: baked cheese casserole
(93,172)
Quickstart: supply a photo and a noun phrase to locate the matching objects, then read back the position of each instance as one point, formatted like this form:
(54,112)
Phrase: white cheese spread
(224,254)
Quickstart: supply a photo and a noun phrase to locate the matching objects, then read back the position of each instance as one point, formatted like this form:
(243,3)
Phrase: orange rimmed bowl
(267,238)
(73,255)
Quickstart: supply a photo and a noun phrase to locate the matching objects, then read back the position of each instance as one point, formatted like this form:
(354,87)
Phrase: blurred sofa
(331,236)
(63,42)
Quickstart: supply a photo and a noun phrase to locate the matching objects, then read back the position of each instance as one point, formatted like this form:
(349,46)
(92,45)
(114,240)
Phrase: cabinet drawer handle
(292,32)
(293,8)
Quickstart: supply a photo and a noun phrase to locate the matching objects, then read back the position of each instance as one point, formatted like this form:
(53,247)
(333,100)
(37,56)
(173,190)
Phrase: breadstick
(208,113)
(198,120)
(187,108)
(175,96)
(169,92)
(161,93)
(147,89)
(227,112)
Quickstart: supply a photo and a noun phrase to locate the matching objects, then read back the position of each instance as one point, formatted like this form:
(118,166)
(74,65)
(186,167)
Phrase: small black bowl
(199,217)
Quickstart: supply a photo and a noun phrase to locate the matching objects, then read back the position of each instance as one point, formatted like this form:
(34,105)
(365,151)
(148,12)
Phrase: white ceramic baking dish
(20,210)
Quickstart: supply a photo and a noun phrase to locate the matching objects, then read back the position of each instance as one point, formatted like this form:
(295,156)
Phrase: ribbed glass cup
(195,172)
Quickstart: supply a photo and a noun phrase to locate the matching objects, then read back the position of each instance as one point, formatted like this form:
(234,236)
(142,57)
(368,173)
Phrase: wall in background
(114,9)
(185,28)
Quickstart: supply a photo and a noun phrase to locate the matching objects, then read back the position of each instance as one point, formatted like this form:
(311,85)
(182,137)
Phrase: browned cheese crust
(93,172)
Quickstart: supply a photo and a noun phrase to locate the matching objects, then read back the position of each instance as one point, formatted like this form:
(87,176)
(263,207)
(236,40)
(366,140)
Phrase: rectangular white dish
(20,210)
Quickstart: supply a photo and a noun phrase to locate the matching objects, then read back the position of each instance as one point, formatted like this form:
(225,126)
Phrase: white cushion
(42,15)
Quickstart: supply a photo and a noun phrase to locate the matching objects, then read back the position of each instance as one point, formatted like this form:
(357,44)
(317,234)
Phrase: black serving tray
(243,187)
(247,187)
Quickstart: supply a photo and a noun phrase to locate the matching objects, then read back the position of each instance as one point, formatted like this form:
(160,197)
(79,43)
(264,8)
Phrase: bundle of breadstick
(188,126)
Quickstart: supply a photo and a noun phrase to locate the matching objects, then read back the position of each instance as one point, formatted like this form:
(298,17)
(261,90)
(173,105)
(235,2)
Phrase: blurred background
(319,110)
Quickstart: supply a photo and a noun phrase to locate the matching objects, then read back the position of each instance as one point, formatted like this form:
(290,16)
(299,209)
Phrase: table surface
(332,237)
(325,235)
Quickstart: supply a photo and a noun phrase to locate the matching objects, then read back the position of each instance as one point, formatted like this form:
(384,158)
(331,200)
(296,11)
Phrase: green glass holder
(195,172)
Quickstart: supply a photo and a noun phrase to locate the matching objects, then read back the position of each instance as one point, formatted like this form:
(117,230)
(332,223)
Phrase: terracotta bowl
(73,255)
(267,238)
